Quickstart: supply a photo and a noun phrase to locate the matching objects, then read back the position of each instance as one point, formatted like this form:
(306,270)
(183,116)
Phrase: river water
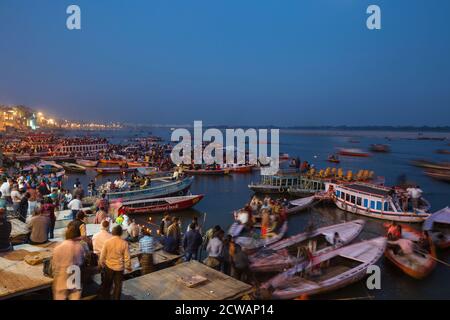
(228,193)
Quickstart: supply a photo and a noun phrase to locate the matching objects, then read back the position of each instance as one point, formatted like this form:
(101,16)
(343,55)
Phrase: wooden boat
(333,159)
(442,175)
(352,153)
(375,201)
(147,171)
(443,151)
(329,271)
(137,164)
(285,254)
(113,161)
(251,243)
(438,226)
(431,164)
(157,205)
(172,188)
(49,167)
(110,170)
(241,168)
(418,264)
(63,157)
(299,185)
(209,172)
(380,148)
(72,167)
(300,204)
(87,163)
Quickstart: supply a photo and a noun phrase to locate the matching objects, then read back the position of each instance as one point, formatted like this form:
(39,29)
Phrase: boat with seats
(158,205)
(418,263)
(288,252)
(165,189)
(327,272)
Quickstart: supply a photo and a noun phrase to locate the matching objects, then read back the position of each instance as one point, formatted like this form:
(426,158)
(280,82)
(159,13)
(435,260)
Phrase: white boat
(251,243)
(147,171)
(87,163)
(327,272)
(375,201)
(285,254)
(438,225)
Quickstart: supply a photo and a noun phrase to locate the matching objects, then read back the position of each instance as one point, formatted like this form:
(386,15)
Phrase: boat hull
(169,207)
(203,172)
(418,273)
(177,188)
(390,216)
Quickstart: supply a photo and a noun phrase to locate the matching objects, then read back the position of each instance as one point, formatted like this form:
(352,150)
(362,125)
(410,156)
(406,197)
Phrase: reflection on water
(225,194)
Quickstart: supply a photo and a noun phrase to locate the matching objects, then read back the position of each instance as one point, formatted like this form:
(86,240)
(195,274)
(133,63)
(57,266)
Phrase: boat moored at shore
(376,201)
(158,205)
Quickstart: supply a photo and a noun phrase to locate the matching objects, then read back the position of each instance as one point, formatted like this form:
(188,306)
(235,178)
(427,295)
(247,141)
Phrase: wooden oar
(434,258)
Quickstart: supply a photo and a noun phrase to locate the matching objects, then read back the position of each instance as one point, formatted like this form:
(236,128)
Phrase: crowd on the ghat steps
(35,201)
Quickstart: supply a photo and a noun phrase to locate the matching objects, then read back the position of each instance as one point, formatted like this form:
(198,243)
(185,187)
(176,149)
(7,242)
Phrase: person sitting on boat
(425,242)
(402,247)
(146,183)
(394,231)
(337,239)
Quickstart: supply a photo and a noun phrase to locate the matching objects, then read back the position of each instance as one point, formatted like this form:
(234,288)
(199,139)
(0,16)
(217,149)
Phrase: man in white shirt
(5,189)
(75,205)
(15,197)
(99,239)
(214,250)
(415,194)
(133,231)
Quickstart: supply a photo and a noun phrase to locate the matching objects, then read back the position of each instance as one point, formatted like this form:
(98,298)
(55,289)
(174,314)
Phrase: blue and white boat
(376,201)
(173,188)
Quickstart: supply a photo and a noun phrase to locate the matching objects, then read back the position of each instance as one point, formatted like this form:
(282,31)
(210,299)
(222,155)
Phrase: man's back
(99,239)
(193,240)
(115,254)
(67,253)
(39,228)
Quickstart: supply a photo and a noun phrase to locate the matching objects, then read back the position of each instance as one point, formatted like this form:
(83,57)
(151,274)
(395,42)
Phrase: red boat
(162,204)
(353,153)
(216,172)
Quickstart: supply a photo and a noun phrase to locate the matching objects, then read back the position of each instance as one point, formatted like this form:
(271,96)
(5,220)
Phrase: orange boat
(137,164)
(112,161)
(417,264)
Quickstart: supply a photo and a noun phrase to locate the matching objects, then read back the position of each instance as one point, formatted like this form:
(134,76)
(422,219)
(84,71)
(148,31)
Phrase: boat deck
(368,189)
(166,285)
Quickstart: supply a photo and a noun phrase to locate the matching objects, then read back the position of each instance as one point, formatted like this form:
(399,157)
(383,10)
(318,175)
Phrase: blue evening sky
(254,62)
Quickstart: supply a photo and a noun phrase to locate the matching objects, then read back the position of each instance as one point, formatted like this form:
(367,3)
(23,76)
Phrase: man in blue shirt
(147,248)
(192,242)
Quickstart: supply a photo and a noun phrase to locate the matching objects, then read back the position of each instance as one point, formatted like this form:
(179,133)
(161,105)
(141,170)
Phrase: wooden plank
(164,284)
(18,277)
